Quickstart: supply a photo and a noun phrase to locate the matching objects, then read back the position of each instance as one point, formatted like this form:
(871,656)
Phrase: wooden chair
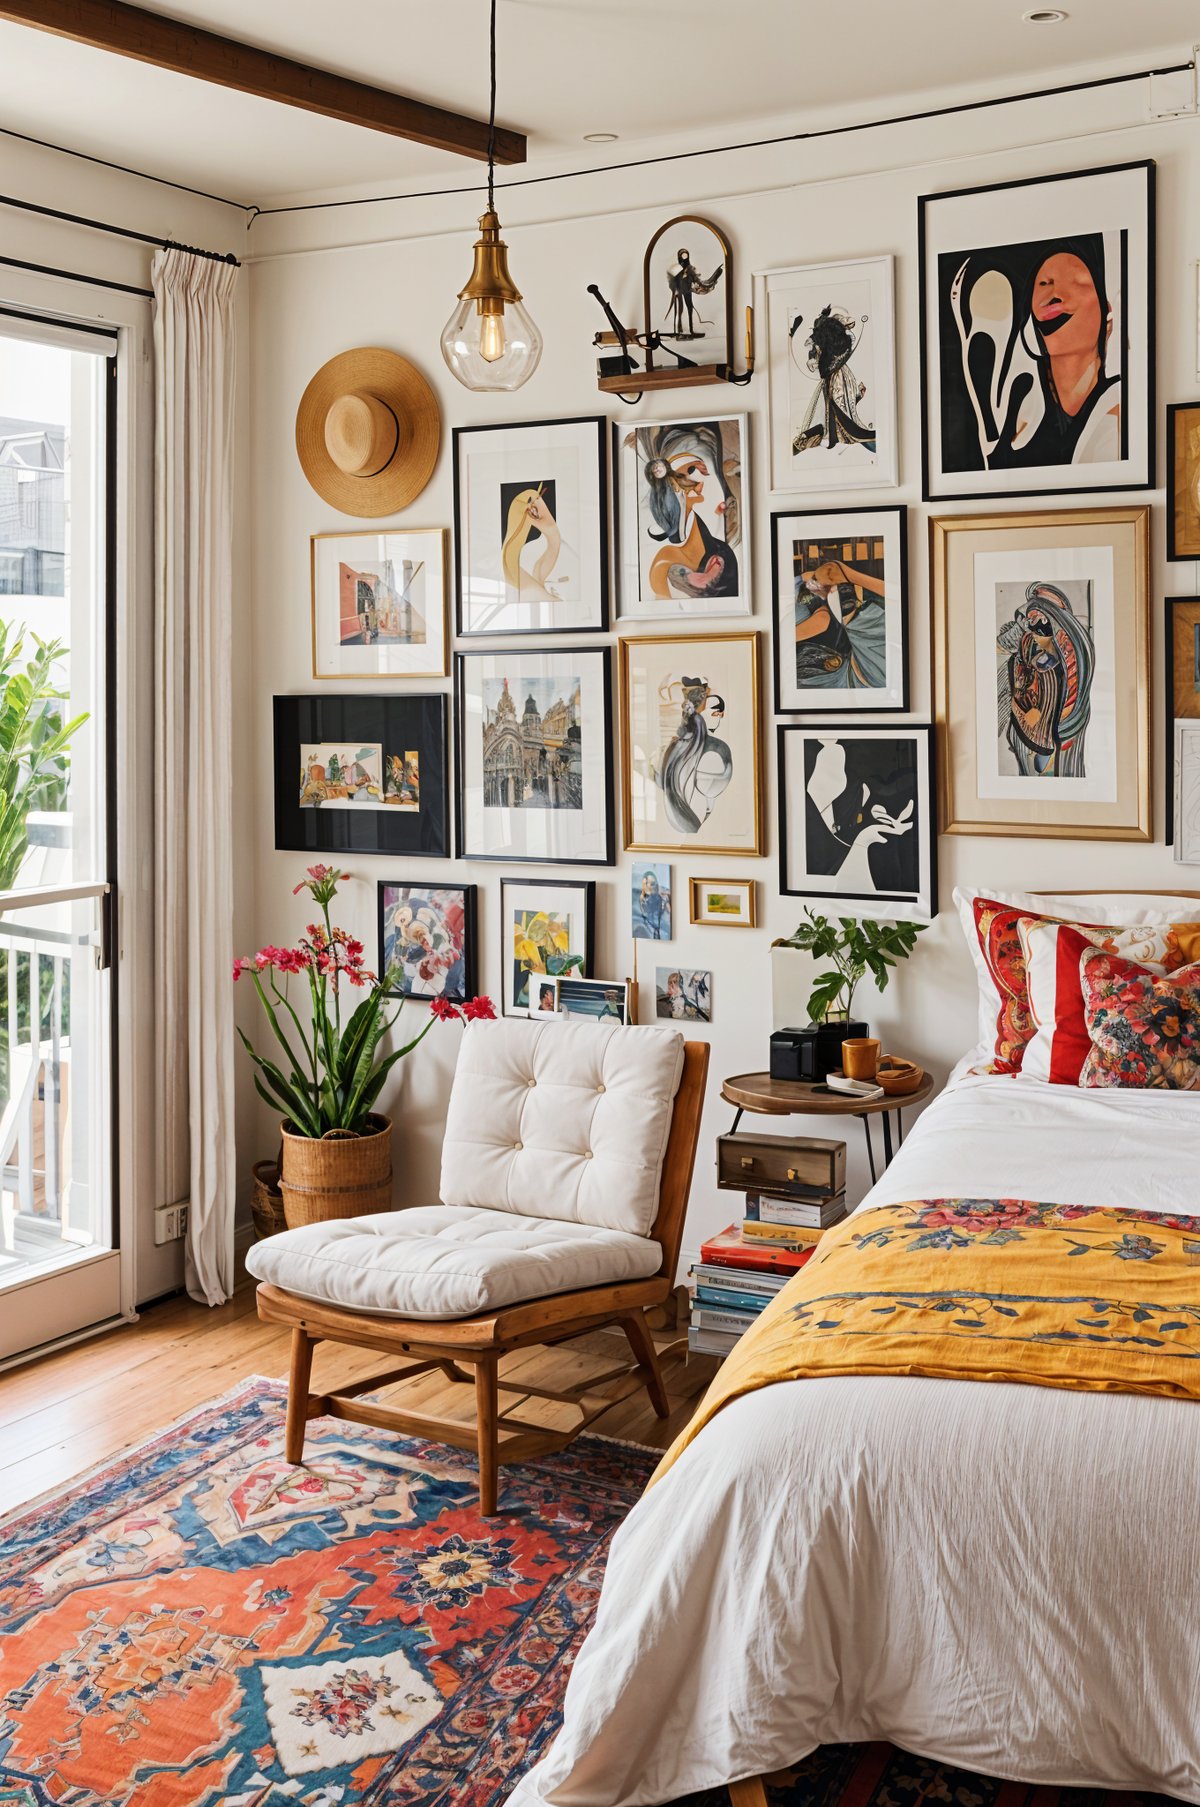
(453,1345)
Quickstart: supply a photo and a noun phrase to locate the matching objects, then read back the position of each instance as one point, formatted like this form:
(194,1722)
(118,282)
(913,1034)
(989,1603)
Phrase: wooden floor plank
(81,1406)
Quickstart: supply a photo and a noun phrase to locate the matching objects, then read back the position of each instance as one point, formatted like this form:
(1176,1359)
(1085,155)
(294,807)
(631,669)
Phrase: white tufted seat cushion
(562,1120)
(447,1261)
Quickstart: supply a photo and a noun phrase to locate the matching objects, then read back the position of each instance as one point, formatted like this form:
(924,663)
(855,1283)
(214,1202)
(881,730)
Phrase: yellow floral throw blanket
(983,1289)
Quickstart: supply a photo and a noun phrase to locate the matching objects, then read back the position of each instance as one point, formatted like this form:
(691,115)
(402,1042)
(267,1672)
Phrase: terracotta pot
(337,1175)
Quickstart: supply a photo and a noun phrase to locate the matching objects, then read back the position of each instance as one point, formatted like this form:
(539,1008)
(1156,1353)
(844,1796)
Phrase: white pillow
(1130,907)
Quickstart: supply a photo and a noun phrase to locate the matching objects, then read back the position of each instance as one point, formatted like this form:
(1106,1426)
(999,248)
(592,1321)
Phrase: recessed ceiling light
(1045,15)
(600,137)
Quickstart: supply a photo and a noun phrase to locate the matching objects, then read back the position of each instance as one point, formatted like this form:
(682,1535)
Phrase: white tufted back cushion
(562,1120)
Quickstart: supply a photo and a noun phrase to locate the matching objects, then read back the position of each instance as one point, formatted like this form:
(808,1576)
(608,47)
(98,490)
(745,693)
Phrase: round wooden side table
(758,1092)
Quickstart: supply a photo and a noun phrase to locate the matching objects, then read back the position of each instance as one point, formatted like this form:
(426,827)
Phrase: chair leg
(297,1405)
(644,1353)
(749,1793)
(486,1409)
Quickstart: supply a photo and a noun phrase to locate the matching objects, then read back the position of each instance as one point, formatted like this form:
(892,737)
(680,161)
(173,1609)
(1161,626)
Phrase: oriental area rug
(199,1623)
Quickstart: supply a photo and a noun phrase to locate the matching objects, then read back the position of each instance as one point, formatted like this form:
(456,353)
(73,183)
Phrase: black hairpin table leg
(899,1127)
(866,1123)
(737,1117)
(887,1139)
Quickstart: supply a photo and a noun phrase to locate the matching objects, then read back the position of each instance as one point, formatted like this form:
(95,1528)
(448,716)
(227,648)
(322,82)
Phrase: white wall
(52,179)
(848,197)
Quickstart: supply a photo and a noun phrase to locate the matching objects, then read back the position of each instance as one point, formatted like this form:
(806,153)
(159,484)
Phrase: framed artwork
(1042,636)
(1037,351)
(379,604)
(690,743)
(531,528)
(548,931)
(857,819)
(593,1000)
(1183,480)
(841,611)
(683,509)
(832,363)
(535,756)
(722,902)
(362,774)
(682,994)
(650,901)
(428,940)
(1181,661)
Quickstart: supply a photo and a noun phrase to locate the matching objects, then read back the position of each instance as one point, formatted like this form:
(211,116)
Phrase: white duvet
(1002,1577)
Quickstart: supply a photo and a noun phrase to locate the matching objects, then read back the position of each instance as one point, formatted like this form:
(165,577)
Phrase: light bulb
(489,341)
(491,337)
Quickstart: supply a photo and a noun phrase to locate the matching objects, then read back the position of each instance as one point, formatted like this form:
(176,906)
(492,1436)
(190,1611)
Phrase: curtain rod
(144,238)
(96,282)
(749,144)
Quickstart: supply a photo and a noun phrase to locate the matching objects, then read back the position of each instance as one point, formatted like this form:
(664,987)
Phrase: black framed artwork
(428,940)
(531,527)
(362,774)
(1037,335)
(840,583)
(547,932)
(858,819)
(535,755)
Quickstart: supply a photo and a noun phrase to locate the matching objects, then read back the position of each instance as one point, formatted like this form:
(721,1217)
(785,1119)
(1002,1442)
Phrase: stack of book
(741,1270)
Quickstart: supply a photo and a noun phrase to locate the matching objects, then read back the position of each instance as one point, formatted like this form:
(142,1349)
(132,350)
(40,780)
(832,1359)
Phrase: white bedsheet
(1003,1577)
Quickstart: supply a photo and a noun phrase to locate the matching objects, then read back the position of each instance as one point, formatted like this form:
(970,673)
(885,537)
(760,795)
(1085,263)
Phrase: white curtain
(193,457)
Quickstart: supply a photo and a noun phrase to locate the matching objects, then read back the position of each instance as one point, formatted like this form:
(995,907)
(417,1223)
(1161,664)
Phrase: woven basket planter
(266,1200)
(338,1175)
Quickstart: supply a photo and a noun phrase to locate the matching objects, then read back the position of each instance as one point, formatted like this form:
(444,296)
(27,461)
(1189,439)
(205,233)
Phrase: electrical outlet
(170,1223)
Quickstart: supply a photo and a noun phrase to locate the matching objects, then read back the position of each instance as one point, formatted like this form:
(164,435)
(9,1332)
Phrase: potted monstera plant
(331,1062)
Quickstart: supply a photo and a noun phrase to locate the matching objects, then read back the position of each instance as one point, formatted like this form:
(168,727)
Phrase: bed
(998,1576)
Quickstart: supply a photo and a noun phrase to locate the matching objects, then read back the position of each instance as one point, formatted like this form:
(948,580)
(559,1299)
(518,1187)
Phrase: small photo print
(543,996)
(592,1000)
(341,775)
(728,901)
(683,994)
(651,900)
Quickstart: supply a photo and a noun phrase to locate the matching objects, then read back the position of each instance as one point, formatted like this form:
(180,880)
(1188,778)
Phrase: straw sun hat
(367,431)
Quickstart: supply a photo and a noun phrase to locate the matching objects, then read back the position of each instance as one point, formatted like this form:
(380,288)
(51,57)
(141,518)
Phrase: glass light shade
(494,349)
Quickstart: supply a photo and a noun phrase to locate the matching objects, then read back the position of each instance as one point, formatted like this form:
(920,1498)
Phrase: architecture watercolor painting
(532,754)
(338,775)
(379,603)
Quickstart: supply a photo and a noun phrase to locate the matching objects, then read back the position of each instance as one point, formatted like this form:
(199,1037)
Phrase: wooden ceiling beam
(150,37)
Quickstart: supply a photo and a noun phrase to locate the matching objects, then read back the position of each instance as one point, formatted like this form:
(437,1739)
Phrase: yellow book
(796,1236)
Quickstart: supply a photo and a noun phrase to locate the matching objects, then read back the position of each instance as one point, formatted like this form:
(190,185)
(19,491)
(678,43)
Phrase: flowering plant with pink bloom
(332,1072)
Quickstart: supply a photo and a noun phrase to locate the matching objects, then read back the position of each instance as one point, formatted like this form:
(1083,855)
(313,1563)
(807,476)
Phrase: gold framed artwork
(726,903)
(691,766)
(379,603)
(1181,668)
(1183,480)
(1042,654)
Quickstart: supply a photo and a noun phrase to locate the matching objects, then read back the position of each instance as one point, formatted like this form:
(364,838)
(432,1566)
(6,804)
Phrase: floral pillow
(1061,1044)
(1144,1026)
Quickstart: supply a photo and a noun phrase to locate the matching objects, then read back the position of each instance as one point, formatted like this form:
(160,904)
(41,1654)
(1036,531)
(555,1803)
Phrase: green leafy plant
(34,741)
(854,949)
(332,1073)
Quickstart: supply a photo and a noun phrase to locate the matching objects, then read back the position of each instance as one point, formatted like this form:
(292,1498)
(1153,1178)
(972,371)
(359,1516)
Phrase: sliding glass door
(59,1263)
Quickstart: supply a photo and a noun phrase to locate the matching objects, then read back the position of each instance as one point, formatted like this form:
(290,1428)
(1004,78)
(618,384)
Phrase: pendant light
(489,341)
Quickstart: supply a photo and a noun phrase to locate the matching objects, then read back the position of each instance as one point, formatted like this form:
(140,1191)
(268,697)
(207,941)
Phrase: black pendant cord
(749,144)
(491,154)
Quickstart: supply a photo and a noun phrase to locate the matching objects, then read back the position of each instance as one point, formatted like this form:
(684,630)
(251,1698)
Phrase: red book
(731,1249)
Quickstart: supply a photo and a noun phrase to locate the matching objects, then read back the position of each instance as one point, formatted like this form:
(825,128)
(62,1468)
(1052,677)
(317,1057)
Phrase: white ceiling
(691,69)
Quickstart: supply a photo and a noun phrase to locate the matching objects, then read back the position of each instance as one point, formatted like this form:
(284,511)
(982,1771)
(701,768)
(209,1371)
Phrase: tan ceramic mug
(860,1057)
